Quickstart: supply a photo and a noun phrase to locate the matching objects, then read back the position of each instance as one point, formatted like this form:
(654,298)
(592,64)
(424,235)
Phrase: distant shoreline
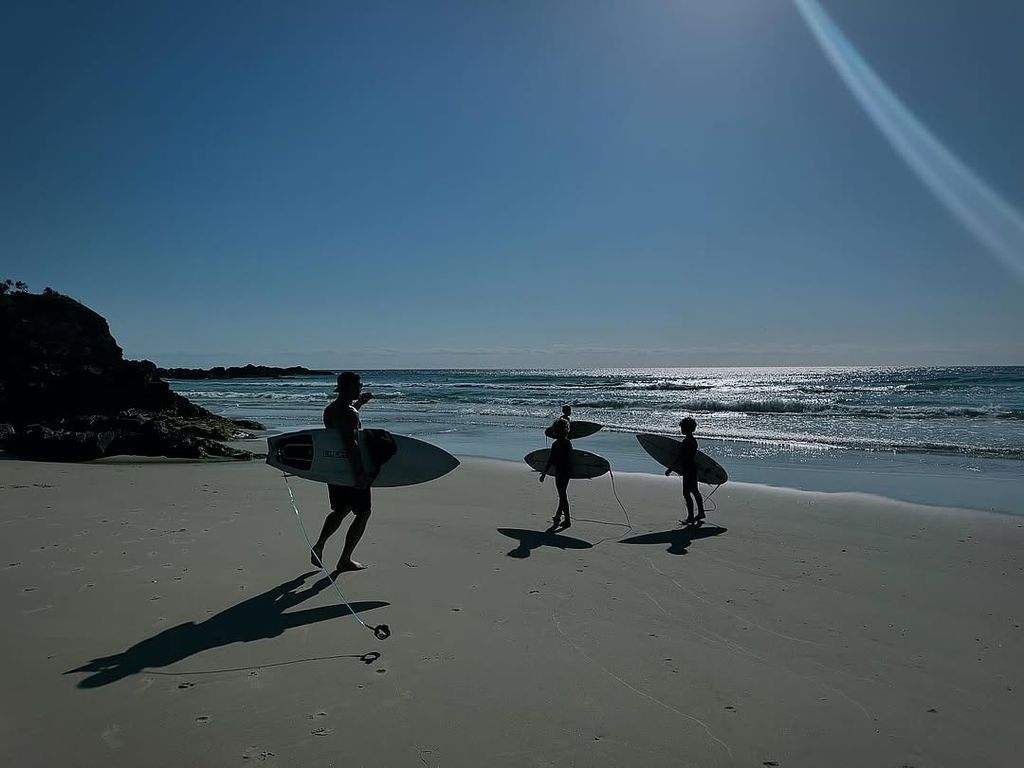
(239,372)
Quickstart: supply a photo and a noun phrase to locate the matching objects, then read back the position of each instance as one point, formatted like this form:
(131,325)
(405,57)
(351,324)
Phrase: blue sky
(508,184)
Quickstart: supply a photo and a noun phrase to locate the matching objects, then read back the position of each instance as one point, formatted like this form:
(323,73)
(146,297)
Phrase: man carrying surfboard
(559,459)
(343,414)
(688,466)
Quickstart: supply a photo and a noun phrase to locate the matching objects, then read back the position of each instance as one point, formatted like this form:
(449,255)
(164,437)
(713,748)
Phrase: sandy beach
(164,614)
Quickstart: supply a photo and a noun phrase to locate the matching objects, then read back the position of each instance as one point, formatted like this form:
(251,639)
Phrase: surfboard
(583,465)
(665,450)
(319,455)
(577,429)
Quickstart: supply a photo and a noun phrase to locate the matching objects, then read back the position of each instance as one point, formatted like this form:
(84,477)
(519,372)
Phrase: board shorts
(344,497)
(690,482)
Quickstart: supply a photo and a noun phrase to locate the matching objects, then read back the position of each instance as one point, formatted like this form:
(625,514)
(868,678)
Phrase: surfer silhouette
(567,414)
(687,463)
(558,460)
(343,414)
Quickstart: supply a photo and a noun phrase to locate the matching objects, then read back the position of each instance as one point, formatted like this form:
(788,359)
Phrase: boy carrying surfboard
(567,414)
(688,469)
(343,414)
(559,460)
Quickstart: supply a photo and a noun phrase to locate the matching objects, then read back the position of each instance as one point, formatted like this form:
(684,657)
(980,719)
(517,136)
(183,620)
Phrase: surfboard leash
(381,631)
(628,525)
(714,508)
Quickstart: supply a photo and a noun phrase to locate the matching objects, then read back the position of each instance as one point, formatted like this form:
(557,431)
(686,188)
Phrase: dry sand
(163,614)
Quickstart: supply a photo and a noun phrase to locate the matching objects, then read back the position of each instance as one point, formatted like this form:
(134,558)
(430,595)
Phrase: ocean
(950,436)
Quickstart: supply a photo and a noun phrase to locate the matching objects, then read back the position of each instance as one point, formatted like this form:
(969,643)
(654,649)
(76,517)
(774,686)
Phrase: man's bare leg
(355,533)
(331,525)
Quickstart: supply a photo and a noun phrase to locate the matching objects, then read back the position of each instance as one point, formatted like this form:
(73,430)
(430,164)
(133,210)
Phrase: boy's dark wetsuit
(688,467)
(559,461)
(342,497)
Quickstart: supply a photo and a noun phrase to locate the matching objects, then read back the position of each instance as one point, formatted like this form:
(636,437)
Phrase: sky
(527,184)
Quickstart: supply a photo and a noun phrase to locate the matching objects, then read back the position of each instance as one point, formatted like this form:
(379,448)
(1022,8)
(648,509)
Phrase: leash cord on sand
(381,631)
(714,507)
(628,525)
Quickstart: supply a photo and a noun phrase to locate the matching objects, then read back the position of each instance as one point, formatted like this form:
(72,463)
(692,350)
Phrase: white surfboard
(666,451)
(320,455)
(583,465)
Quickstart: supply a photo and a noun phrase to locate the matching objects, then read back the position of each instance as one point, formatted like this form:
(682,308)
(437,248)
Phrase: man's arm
(350,439)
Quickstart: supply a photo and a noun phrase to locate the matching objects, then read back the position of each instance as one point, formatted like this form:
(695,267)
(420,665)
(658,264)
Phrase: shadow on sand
(678,539)
(531,540)
(257,618)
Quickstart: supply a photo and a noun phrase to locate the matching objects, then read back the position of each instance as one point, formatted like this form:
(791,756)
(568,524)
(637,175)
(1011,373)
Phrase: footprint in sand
(316,716)
(321,731)
(29,589)
(203,720)
(185,686)
(255,753)
(11,565)
(110,736)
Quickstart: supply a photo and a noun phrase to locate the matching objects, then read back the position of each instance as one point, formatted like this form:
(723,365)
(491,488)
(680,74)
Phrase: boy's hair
(688,425)
(346,379)
(566,409)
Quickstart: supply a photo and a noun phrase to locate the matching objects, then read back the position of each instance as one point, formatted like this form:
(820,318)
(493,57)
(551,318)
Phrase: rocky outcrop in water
(239,372)
(68,394)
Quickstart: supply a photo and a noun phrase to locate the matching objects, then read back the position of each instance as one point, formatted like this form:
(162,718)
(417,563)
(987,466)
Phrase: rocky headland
(68,394)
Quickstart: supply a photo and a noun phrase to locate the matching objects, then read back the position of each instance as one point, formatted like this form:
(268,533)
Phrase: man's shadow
(257,618)
(678,539)
(531,540)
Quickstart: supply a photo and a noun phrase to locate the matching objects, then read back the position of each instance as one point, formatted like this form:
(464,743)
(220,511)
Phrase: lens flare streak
(983,212)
